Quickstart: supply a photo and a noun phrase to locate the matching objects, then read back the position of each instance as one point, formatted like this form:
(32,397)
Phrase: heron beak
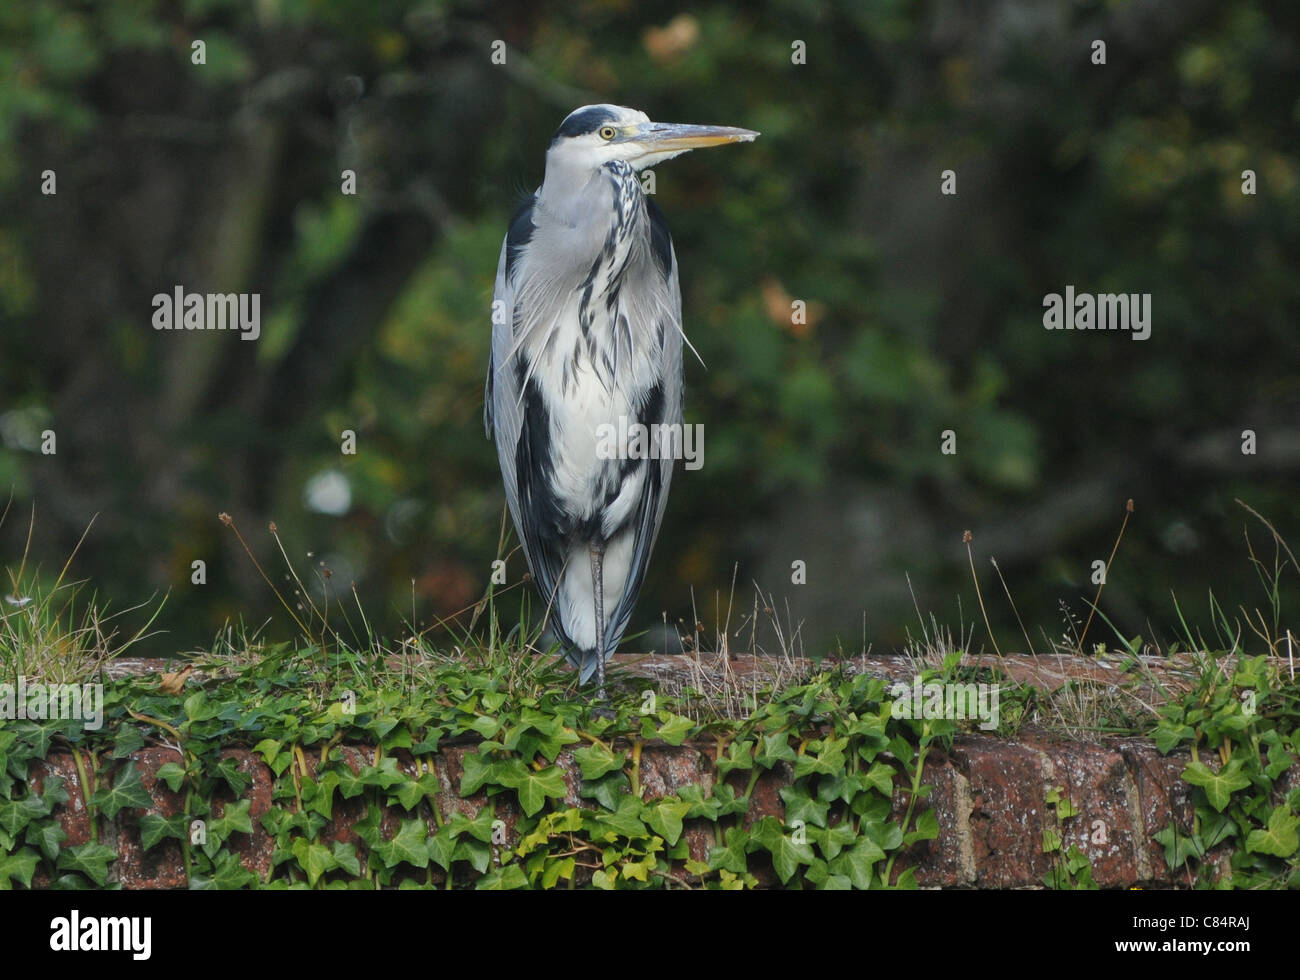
(679,137)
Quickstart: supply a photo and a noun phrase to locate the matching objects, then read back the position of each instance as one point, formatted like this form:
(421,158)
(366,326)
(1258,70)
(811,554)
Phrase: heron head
(595,135)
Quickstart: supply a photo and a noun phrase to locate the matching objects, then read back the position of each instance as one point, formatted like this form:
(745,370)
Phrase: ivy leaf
(315,859)
(479,771)
(727,800)
(596,760)
(535,787)
(674,729)
(268,749)
(128,740)
(414,790)
(551,825)
(1219,786)
(53,792)
(127,791)
(731,855)
(197,708)
(17,814)
(1279,761)
(817,873)
(838,837)
(841,786)
(740,755)
(665,818)
(786,854)
(441,846)
(504,878)
(828,760)
(700,805)
(1170,733)
(408,794)
(552,734)
(799,806)
(857,862)
(475,852)
(1064,807)
(234,819)
(624,821)
(880,777)
(19,867)
(888,835)
(350,784)
(697,868)
(228,770)
(368,827)
(480,827)
(1280,839)
(608,790)
(274,756)
(907,880)
(91,859)
(380,725)
(1077,863)
(555,870)
(639,870)
(230,874)
(408,845)
(398,738)
(385,775)
(428,744)
(776,748)
(1215,826)
(37,736)
(70,883)
(1051,840)
(927,828)
(901,749)
(153,828)
(173,774)
(322,797)
(49,837)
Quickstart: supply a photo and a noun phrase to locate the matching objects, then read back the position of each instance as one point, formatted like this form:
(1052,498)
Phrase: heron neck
(578,196)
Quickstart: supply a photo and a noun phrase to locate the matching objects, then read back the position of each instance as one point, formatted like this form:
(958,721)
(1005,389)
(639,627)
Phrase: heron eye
(607,132)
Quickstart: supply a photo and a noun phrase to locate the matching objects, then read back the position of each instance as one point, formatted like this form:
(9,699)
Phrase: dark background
(821,440)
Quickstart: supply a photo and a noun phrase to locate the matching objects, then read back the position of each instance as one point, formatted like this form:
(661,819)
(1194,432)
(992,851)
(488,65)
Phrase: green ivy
(1240,724)
(1071,871)
(847,768)
(833,733)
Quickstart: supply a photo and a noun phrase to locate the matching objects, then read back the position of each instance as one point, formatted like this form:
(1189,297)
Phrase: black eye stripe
(589,120)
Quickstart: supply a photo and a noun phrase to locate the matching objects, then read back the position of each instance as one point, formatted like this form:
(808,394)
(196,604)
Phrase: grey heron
(587,334)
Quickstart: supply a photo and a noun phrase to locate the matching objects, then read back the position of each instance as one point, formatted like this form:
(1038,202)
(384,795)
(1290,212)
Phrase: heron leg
(598,593)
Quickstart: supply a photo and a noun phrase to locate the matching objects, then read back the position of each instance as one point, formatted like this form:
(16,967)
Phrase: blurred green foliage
(924,310)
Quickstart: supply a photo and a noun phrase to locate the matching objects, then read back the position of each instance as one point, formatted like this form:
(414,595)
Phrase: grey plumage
(587,328)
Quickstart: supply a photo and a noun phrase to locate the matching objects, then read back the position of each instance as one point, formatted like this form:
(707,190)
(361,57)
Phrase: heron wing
(510,418)
(654,496)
